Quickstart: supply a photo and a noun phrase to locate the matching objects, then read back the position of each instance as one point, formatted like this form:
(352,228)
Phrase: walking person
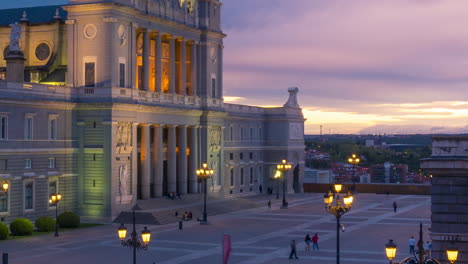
(411,243)
(395,206)
(315,239)
(307,240)
(293,250)
(269,204)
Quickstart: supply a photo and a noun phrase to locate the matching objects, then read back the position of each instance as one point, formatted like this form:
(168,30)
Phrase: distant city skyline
(362,66)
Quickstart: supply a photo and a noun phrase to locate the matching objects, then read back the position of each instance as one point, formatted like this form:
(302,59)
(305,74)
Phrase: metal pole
(338,239)
(205,215)
(134,237)
(284,190)
(56,219)
(277,189)
(420,245)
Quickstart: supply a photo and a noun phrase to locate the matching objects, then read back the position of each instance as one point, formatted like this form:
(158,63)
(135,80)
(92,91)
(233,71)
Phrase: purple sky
(362,66)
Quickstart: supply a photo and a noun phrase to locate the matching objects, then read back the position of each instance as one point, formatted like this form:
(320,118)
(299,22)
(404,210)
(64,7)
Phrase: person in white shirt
(411,243)
(427,248)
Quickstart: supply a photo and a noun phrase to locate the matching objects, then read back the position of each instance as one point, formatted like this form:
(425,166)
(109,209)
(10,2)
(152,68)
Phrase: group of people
(427,246)
(187,216)
(308,240)
(173,195)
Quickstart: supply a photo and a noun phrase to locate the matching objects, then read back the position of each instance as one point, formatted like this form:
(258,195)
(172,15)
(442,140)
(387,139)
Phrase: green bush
(21,227)
(68,220)
(4,232)
(45,224)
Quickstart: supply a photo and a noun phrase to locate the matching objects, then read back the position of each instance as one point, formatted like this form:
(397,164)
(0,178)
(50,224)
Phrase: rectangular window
(90,72)
(251,175)
(241,156)
(3,127)
(3,165)
(232,133)
(242,176)
(28,128)
(53,128)
(121,74)
(51,163)
(4,202)
(251,155)
(231,156)
(52,189)
(232,177)
(213,87)
(29,196)
(27,164)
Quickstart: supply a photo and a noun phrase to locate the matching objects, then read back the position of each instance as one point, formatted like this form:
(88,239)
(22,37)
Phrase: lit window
(27,164)
(51,163)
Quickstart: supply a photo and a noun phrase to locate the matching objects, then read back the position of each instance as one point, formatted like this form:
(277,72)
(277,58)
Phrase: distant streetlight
(203,174)
(54,200)
(337,210)
(284,167)
(277,177)
(354,159)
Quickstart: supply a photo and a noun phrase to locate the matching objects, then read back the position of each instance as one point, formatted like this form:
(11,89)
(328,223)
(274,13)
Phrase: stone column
(158,62)
(158,161)
(182,160)
(171,159)
(145,159)
(194,69)
(183,67)
(193,162)
(146,66)
(172,84)
(448,166)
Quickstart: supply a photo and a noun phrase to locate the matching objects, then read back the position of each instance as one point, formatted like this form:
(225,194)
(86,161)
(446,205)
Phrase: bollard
(5,258)
(180,225)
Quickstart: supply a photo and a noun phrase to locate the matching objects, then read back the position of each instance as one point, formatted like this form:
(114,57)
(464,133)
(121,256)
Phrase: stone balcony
(36,91)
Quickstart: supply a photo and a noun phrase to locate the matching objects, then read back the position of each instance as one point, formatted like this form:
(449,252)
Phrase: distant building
(388,173)
(317,176)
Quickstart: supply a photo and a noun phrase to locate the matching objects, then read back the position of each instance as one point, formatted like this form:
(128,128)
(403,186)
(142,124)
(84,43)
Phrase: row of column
(183,59)
(181,163)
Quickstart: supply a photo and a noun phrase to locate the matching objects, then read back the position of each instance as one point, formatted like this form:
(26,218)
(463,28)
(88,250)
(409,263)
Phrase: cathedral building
(113,101)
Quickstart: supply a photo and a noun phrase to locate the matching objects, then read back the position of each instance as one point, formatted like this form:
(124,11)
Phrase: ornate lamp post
(54,200)
(277,177)
(5,187)
(133,241)
(390,250)
(337,210)
(354,159)
(203,174)
(284,167)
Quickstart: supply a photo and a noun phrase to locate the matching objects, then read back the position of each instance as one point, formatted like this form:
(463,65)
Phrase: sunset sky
(362,66)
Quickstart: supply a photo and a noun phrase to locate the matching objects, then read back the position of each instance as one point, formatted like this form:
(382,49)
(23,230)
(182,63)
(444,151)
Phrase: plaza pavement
(259,235)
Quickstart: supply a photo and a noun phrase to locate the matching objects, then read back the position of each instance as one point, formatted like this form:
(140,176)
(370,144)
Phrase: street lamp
(338,210)
(133,241)
(284,167)
(390,250)
(277,177)
(54,200)
(354,159)
(5,187)
(203,174)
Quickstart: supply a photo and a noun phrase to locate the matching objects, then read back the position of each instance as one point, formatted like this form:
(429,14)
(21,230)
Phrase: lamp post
(354,159)
(54,200)
(284,167)
(277,177)
(391,248)
(203,174)
(5,187)
(133,241)
(337,210)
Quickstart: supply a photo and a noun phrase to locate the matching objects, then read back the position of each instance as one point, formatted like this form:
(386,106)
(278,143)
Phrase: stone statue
(292,101)
(215,139)
(15,36)
(123,177)
(123,137)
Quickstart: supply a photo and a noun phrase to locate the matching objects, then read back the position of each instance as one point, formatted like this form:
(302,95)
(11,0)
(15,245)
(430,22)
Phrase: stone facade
(448,165)
(127,105)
